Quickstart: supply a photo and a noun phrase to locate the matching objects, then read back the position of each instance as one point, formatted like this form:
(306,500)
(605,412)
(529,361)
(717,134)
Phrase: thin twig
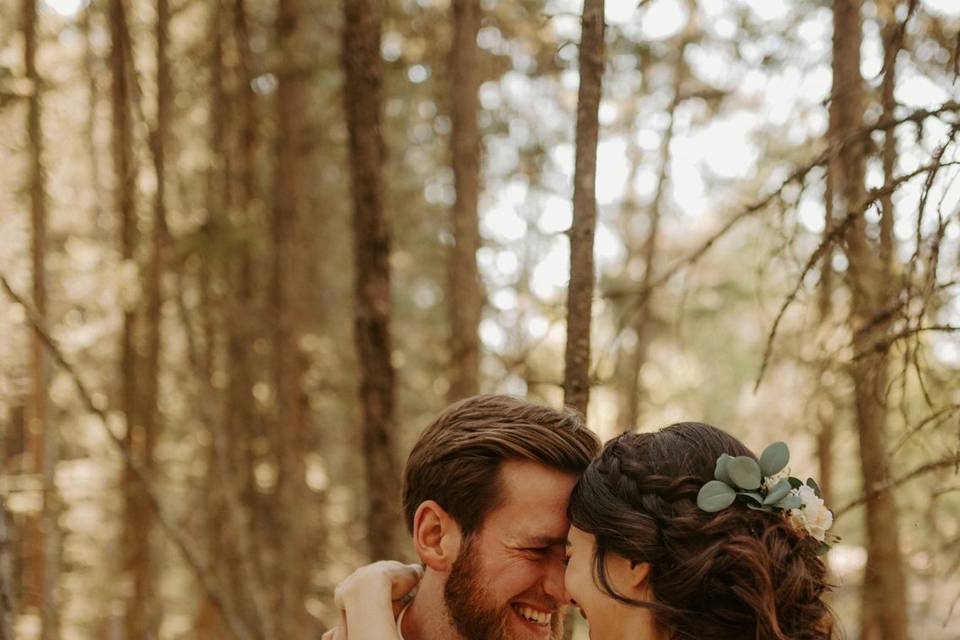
(834,234)
(952,460)
(885,344)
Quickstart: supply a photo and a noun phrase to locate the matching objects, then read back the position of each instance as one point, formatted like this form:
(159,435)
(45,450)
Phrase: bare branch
(797,176)
(938,417)
(952,460)
(885,344)
(836,233)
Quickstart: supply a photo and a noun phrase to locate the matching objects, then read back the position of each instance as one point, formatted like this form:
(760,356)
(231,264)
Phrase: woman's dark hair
(735,574)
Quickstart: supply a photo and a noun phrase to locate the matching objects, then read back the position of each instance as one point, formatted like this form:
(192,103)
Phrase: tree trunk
(135,550)
(363,95)
(90,132)
(242,424)
(7,609)
(641,320)
(465,293)
(884,608)
(891,48)
(576,378)
(825,404)
(290,264)
(42,534)
(143,580)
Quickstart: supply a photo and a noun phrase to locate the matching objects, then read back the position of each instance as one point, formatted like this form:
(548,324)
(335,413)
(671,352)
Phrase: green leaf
(756,508)
(720,472)
(745,472)
(778,492)
(816,488)
(753,495)
(774,458)
(790,502)
(795,483)
(821,549)
(715,496)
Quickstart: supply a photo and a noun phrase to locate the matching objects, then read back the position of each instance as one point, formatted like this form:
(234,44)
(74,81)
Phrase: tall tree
(825,404)
(7,610)
(363,96)
(884,606)
(630,415)
(289,263)
(143,570)
(134,545)
(576,378)
(42,447)
(465,299)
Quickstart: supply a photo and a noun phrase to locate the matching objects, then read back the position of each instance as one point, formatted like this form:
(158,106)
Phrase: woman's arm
(369,600)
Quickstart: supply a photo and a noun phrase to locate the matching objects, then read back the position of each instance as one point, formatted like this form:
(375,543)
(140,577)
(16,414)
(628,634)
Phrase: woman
(655,554)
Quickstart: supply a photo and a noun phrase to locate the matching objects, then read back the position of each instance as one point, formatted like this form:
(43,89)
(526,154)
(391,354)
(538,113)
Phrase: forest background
(249,248)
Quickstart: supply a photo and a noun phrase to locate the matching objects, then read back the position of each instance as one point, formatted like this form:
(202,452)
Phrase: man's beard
(470,605)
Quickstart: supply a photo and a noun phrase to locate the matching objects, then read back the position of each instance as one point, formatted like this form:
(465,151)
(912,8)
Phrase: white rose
(813,515)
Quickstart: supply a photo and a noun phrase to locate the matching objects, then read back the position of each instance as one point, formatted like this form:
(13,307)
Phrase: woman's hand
(375,581)
(371,598)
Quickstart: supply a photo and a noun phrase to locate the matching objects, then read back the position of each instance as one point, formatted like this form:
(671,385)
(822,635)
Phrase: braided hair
(731,575)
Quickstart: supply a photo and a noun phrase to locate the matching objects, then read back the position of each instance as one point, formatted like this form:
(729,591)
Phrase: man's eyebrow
(542,541)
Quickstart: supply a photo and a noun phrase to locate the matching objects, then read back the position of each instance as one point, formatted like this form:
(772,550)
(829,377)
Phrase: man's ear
(436,536)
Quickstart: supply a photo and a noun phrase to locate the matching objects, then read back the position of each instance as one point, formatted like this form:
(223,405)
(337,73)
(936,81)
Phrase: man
(485,497)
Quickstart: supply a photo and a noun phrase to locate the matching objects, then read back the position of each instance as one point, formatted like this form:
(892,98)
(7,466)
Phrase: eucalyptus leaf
(715,496)
(720,472)
(745,472)
(774,458)
(756,508)
(778,492)
(795,483)
(821,549)
(816,488)
(753,495)
(790,502)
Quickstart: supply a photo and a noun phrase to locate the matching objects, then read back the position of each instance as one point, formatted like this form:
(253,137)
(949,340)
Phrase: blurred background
(224,320)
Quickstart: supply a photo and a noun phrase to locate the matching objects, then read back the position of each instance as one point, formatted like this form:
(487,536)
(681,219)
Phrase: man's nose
(553,583)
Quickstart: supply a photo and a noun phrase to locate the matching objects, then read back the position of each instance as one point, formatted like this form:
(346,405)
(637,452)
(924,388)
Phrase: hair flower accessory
(767,486)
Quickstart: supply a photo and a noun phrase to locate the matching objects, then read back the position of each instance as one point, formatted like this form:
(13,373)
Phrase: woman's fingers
(385,576)
(404,578)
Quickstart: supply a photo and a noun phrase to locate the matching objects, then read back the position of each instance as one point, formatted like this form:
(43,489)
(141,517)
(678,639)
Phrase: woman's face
(608,619)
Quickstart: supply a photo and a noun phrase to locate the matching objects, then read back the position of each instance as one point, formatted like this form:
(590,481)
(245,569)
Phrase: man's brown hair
(457,458)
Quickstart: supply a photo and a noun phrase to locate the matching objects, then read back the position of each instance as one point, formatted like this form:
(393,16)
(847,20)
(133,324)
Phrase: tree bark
(825,402)
(143,579)
(90,132)
(641,320)
(135,549)
(7,609)
(363,95)
(42,535)
(290,263)
(241,422)
(891,48)
(465,298)
(576,378)
(884,607)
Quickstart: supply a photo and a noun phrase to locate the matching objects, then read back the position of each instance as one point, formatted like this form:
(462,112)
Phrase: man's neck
(427,617)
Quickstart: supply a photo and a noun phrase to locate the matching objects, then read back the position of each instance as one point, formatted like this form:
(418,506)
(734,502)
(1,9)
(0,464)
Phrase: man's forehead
(538,539)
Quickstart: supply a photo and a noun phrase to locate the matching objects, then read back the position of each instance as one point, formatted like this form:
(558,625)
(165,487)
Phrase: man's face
(507,583)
